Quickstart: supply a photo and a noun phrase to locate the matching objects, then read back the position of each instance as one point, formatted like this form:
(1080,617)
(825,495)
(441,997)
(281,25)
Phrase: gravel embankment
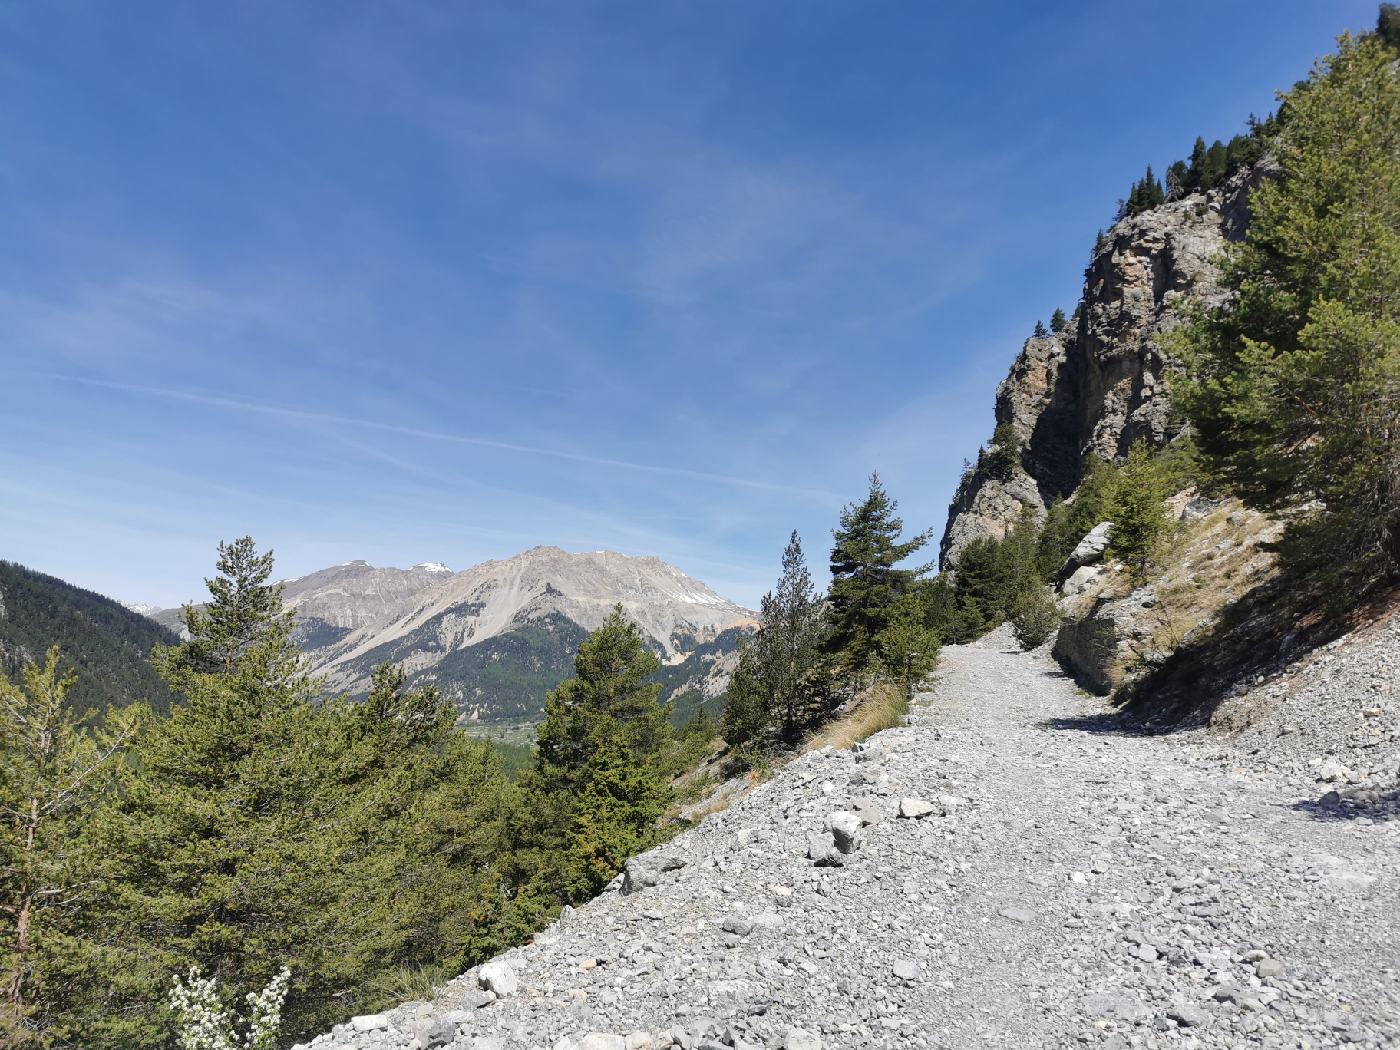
(1067,886)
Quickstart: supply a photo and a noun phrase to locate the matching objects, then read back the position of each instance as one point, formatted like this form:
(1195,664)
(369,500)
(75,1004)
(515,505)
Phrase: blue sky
(413,282)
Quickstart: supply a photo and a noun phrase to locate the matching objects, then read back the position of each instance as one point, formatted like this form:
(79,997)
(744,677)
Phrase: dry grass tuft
(882,706)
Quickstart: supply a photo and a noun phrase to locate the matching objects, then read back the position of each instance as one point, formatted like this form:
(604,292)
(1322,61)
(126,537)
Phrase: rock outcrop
(1099,385)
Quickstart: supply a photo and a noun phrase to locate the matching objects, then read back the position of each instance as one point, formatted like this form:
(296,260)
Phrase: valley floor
(1081,887)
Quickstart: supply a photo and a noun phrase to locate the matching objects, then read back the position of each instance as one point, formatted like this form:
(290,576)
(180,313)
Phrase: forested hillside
(107,644)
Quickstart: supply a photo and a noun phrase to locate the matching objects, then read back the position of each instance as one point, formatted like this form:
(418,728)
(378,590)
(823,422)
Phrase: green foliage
(243,616)
(1135,506)
(1067,523)
(108,645)
(1058,321)
(1041,331)
(1388,26)
(780,686)
(260,826)
(1145,195)
(1034,617)
(1295,379)
(1004,455)
(908,646)
(55,771)
(866,577)
(599,783)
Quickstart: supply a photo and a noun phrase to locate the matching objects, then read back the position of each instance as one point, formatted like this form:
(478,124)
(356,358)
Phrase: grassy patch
(882,706)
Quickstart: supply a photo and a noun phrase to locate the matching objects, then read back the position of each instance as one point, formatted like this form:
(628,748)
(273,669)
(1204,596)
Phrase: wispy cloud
(305,415)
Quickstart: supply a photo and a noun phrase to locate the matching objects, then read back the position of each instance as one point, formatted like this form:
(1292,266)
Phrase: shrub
(1035,618)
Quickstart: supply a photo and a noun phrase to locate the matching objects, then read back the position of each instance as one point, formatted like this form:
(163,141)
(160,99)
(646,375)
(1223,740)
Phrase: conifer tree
(866,577)
(1004,455)
(55,771)
(1040,330)
(1135,506)
(242,616)
(1058,322)
(908,647)
(598,773)
(781,677)
(1295,378)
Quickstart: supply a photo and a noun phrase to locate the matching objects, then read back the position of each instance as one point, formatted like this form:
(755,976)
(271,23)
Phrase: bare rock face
(1100,385)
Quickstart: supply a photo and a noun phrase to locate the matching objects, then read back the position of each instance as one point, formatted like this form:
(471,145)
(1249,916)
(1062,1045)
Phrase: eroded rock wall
(1100,385)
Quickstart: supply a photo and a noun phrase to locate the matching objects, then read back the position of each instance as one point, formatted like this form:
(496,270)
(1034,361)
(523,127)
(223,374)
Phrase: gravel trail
(1071,886)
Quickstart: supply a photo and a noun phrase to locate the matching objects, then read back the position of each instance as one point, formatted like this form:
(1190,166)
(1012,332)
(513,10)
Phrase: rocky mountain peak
(1100,385)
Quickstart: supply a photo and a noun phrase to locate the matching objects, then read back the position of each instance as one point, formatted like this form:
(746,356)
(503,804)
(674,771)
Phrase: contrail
(305,415)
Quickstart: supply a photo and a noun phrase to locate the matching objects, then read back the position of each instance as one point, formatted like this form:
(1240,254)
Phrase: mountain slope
(106,643)
(497,635)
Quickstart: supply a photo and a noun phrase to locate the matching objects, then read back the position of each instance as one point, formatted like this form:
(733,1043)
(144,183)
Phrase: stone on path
(845,831)
(914,808)
(498,977)
(801,1039)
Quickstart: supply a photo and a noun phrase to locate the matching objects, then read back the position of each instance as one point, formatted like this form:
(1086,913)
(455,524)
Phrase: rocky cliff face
(1098,386)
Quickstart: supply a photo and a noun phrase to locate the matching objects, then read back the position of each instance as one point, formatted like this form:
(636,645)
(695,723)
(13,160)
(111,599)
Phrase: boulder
(822,851)
(647,870)
(915,808)
(845,830)
(497,976)
(1089,550)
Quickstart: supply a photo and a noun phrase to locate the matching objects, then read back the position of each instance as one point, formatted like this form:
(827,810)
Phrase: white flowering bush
(205,1023)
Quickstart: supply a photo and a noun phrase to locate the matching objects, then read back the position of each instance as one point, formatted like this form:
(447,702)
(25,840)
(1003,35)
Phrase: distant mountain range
(496,637)
(106,643)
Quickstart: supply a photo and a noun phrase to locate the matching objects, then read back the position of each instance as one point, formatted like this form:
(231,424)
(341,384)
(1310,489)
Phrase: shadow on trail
(1114,723)
(1332,807)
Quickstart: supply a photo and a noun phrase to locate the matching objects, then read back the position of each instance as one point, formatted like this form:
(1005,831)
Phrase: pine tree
(908,647)
(1197,166)
(1388,26)
(598,775)
(55,770)
(243,614)
(1178,180)
(866,577)
(1295,378)
(1004,455)
(1058,322)
(1135,506)
(1040,330)
(237,836)
(781,677)
(610,697)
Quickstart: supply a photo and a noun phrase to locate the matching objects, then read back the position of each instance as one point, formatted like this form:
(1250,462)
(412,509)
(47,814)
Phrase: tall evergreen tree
(599,777)
(55,771)
(243,615)
(1295,378)
(780,677)
(866,575)
(1058,322)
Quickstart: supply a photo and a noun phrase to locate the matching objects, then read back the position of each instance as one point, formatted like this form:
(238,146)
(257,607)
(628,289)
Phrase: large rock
(1088,551)
(1098,646)
(845,831)
(639,873)
(497,976)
